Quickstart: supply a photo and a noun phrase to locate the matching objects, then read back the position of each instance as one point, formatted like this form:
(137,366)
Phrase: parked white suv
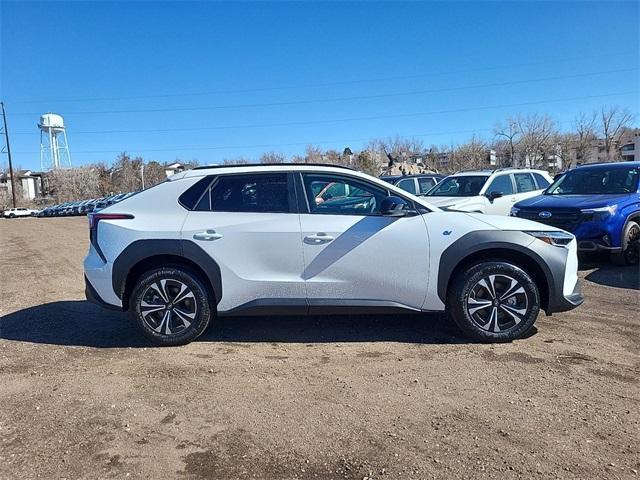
(18,212)
(488,191)
(246,240)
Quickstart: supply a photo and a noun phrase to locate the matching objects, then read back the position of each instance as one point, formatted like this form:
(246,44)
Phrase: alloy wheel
(632,252)
(168,307)
(497,303)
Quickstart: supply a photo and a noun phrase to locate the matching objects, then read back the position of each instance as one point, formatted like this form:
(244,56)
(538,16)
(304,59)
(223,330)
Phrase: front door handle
(318,239)
(207,235)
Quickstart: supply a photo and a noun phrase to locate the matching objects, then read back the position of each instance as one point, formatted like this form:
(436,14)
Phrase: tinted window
(248,193)
(524,182)
(425,184)
(542,182)
(502,184)
(353,197)
(462,186)
(407,184)
(189,198)
(586,181)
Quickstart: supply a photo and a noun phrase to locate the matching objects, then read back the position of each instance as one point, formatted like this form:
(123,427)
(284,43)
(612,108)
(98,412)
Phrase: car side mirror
(393,207)
(493,195)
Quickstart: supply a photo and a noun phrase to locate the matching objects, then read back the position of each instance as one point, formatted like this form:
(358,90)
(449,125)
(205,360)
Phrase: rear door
(248,224)
(353,255)
(525,186)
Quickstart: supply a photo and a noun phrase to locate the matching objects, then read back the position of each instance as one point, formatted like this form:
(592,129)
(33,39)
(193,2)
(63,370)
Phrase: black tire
(162,286)
(476,310)
(630,254)
(11,215)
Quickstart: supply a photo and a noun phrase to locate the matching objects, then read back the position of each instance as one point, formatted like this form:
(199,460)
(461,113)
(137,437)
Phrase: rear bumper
(93,296)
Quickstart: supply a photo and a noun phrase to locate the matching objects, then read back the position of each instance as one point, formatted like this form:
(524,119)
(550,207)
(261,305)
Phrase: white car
(246,240)
(488,191)
(19,212)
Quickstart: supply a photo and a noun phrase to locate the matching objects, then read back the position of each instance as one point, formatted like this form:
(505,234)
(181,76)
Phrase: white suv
(246,240)
(18,212)
(488,191)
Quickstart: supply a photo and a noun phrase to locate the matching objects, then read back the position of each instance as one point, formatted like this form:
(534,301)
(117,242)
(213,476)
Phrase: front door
(502,205)
(245,223)
(353,256)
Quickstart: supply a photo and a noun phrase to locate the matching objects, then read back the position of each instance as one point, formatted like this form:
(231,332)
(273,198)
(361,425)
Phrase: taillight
(94,218)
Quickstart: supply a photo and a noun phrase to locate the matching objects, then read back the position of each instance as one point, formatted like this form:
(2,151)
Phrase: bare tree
(614,121)
(584,137)
(273,157)
(511,134)
(235,161)
(312,154)
(473,154)
(538,132)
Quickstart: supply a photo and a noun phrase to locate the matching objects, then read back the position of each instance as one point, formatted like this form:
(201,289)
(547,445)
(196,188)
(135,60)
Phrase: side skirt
(301,306)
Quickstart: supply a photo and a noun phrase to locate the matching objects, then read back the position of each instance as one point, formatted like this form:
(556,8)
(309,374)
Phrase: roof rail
(204,167)
(605,163)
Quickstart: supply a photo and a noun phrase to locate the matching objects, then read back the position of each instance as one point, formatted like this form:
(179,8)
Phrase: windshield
(463,186)
(584,181)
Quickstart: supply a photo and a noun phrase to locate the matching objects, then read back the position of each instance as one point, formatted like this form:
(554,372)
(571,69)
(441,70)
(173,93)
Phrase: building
(630,151)
(32,185)
(173,169)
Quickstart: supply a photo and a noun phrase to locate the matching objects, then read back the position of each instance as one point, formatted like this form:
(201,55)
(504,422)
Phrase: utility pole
(142,174)
(6,137)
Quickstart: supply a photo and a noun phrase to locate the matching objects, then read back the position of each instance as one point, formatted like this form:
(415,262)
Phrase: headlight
(598,214)
(514,212)
(556,237)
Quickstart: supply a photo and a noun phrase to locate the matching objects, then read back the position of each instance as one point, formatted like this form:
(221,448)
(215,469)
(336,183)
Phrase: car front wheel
(494,301)
(171,306)
(630,254)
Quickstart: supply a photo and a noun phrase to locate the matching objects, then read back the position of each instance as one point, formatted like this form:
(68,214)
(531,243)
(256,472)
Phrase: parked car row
(598,203)
(81,207)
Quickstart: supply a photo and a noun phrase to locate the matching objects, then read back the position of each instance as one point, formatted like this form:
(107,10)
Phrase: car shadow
(80,323)
(606,274)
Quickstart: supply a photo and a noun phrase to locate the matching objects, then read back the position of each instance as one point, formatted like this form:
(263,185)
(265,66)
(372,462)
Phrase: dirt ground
(83,396)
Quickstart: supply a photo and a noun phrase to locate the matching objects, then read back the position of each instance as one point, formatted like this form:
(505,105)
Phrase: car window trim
(216,178)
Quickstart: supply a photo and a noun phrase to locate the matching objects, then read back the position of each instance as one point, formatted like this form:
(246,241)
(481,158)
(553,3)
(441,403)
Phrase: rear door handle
(318,239)
(207,235)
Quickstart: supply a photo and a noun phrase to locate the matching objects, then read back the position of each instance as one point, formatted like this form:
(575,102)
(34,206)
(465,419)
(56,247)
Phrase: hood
(461,203)
(511,223)
(572,201)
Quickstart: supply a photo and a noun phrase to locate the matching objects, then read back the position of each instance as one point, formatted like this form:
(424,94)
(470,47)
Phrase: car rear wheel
(494,301)
(171,306)
(630,254)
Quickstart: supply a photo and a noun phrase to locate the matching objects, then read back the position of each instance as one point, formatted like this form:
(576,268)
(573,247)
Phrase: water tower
(54,150)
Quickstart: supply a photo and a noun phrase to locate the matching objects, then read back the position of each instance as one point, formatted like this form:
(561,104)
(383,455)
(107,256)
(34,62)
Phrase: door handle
(207,235)
(318,239)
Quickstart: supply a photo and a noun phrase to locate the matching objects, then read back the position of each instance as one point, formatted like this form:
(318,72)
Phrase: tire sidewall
(623,258)
(466,280)
(201,296)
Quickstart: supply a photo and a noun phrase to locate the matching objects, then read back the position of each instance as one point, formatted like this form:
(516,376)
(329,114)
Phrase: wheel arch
(632,217)
(144,255)
(483,246)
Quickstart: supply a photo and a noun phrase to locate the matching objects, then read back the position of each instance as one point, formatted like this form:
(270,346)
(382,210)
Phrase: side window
(425,184)
(524,182)
(261,193)
(352,196)
(502,184)
(408,185)
(542,182)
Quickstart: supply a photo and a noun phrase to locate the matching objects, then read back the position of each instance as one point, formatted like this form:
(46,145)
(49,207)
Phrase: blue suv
(599,204)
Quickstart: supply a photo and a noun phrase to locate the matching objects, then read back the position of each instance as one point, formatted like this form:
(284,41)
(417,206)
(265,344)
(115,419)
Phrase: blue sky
(218,80)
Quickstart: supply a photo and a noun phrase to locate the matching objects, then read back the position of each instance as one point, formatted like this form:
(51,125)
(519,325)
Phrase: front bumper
(561,303)
(587,246)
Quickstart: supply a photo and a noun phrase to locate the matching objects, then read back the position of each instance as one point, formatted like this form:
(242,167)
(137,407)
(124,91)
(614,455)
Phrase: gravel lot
(83,396)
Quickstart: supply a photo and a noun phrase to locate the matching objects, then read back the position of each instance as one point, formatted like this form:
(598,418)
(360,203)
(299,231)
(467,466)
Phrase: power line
(339,99)
(330,84)
(460,110)
(363,118)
